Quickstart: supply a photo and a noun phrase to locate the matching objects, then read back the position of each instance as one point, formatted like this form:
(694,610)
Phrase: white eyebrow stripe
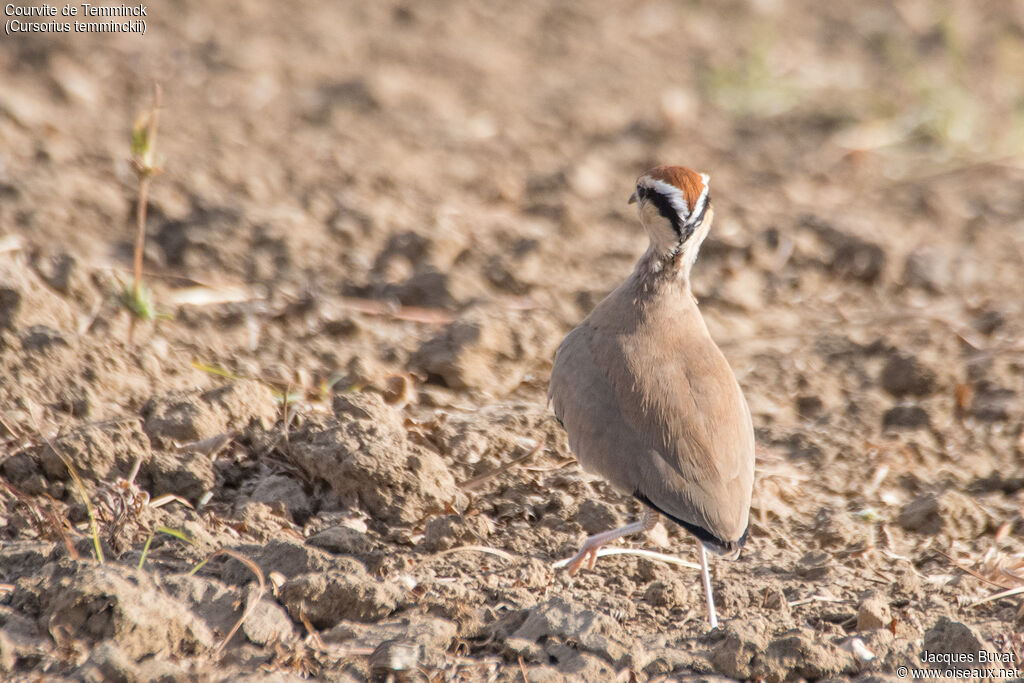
(675,195)
(672,193)
(698,206)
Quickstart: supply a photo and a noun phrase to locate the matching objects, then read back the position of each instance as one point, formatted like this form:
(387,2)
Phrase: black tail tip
(728,549)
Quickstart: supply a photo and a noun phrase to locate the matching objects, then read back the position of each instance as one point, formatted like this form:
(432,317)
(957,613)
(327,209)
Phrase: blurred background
(864,162)
(424,197)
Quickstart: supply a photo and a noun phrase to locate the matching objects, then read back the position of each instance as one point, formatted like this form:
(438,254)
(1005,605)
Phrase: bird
(646,397)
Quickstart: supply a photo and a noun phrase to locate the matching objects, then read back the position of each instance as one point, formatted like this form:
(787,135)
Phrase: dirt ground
(376,221)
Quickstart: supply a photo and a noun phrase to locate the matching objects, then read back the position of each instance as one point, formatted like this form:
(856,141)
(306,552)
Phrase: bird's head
(675,207)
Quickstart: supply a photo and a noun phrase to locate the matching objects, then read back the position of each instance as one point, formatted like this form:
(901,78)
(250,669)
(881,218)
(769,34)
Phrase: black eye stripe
(696,220)
(663,205)
(665,208)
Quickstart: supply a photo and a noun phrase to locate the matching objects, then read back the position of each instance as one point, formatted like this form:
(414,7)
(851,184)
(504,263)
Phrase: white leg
(590,546)
(712,617)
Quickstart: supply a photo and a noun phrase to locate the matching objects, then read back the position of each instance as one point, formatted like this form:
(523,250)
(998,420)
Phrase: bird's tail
(730,550)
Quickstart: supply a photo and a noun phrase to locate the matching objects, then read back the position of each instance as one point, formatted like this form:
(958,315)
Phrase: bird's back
(650,403)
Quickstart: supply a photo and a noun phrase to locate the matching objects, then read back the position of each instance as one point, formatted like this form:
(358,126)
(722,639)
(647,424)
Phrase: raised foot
(592,544)
(588,551)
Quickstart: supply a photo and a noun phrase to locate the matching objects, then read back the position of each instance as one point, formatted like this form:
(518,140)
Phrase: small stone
(281,488)
(39,338)
(596,516)
(954,638)
(446,531)
(184,474)
(341,540)
(57,270)
(668,594)
(327,598)
(988,321)
(873,612)
(949,512)
(992,403)
(809,406)
(267,622)
(734,656)
(858,649)
(545,630)
(858,259)
(905,375)
(804,654)
(775,599)
(488,350)
(97,451)
(10,305)
(814,566)
(905,417)
(922,268)
(834,529)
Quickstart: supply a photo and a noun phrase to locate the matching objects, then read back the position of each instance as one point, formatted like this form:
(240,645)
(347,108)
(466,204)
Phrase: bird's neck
(665,271)
(658,282)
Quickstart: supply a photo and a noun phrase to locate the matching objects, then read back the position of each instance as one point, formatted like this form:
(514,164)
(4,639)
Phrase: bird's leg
(591,545)
(712,617)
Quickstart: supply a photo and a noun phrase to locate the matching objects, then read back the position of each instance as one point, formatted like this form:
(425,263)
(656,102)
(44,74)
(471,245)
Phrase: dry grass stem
(996,596)
(479,549)
(209,446)
(650,554)
(314,635)
(48,523)
(144,151)
(815,598)
(475,482)
(60,525)
(212,296)
(166,498)
(973,573)
(9,243)
(84,494)
(250,603)
(432,316)
(144,134)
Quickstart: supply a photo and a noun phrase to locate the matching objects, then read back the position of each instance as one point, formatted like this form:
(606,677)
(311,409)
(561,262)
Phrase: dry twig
(250,604)
(476,481)
(650,554)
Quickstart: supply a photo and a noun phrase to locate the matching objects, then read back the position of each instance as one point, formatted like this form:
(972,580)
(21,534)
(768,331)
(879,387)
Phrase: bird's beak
(632,199)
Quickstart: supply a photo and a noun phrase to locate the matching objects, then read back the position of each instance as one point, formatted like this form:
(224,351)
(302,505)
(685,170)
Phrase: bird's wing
(676,436)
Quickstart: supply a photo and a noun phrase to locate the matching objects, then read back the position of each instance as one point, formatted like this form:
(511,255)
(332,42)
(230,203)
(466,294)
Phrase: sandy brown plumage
(650,404)
(648,400)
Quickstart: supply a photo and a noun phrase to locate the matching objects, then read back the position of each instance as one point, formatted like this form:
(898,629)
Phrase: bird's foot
(594,543)
(588,554)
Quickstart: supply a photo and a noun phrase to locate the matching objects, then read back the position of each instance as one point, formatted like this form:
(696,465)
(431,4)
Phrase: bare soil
(376,221)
